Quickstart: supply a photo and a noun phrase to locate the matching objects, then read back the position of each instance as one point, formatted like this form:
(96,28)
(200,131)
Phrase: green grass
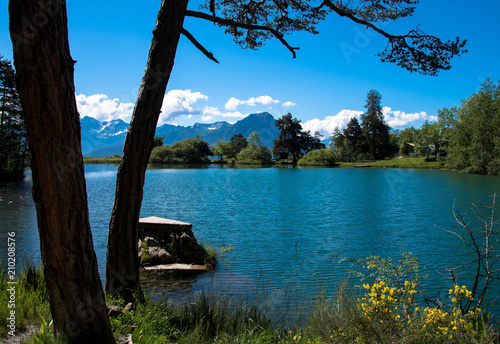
(353,314)
(405,162)
(115,159)
(31,302)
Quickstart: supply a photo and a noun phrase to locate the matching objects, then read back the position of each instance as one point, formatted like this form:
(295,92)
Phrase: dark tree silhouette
(354,135)
(13,141)
(238,143)
(45,83)
(375,130)
(292,140)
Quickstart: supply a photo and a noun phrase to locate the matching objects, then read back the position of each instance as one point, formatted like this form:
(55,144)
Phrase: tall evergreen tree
(354,135)
(13,142)
(375,130)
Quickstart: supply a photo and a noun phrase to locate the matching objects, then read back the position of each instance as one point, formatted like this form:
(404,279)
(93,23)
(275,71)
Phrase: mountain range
(101,139)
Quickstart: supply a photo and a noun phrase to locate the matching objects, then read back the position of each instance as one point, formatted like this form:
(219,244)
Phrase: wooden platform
(176,268)
(161,229)
(154,220)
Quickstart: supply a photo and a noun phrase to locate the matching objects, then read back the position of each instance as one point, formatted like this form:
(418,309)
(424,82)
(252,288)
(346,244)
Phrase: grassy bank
(115,159)
(383,308)
(405,162)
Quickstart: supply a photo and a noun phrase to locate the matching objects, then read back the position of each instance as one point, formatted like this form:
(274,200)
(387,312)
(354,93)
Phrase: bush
(320,157)
(187,151)
(260,155)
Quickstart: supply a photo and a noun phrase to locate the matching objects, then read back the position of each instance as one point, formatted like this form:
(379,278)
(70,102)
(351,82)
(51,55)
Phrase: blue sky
(323,87)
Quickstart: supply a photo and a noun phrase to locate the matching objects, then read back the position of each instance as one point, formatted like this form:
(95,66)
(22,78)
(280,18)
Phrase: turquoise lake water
(286,224)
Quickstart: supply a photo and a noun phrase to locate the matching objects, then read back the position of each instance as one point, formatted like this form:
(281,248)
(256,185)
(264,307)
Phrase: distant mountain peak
(107,138)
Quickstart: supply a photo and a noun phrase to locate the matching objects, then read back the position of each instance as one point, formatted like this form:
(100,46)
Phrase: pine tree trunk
(122,267)
(45,83)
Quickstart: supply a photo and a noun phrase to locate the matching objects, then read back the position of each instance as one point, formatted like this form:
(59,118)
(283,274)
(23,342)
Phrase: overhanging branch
(342,13)
(415,51)
(197,44)
(235,24)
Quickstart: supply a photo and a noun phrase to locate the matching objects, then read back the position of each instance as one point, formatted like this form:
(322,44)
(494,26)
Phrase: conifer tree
(375,130)
(13,143)
(354,135)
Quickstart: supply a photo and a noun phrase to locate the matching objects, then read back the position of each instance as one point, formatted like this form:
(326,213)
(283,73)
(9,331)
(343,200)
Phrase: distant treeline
(292,142)
(466,138)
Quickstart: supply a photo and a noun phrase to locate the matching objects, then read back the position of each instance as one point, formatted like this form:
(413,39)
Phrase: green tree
(312,142)
(158,141)
(429,138)
(255,152)
(222,149)
(375,130)
(447,120)
(238,143)
(339,143)
(161,154)
(475,137)
(407,140)
(13,141)
(292,140)
(354,136)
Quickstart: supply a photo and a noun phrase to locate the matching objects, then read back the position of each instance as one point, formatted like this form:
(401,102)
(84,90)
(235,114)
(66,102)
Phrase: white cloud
(233,103)
(175,103)
(395,119)
(100,107)
(209,113)
(288,104)
(266,100)
(399,119)
(180,102)
(327,125)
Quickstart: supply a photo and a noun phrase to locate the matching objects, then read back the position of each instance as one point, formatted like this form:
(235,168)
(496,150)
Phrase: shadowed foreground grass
(383,309)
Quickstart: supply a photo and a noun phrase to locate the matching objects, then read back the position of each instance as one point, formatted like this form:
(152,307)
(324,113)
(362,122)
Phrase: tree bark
(39,33)
(122,267)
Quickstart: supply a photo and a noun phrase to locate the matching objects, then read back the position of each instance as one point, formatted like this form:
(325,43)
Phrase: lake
(286,224)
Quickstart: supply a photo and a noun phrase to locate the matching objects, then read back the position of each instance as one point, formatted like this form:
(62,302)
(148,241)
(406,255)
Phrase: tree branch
(235,24)
(342,13)
(415,51)
(197,44)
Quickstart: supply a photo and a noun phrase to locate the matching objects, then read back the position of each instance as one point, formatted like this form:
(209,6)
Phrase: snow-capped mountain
(100,139)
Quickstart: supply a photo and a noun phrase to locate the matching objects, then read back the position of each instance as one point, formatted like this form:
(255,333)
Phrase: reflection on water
(286,224)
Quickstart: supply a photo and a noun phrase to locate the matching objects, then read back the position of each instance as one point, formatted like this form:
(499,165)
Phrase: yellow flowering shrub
(390,302)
